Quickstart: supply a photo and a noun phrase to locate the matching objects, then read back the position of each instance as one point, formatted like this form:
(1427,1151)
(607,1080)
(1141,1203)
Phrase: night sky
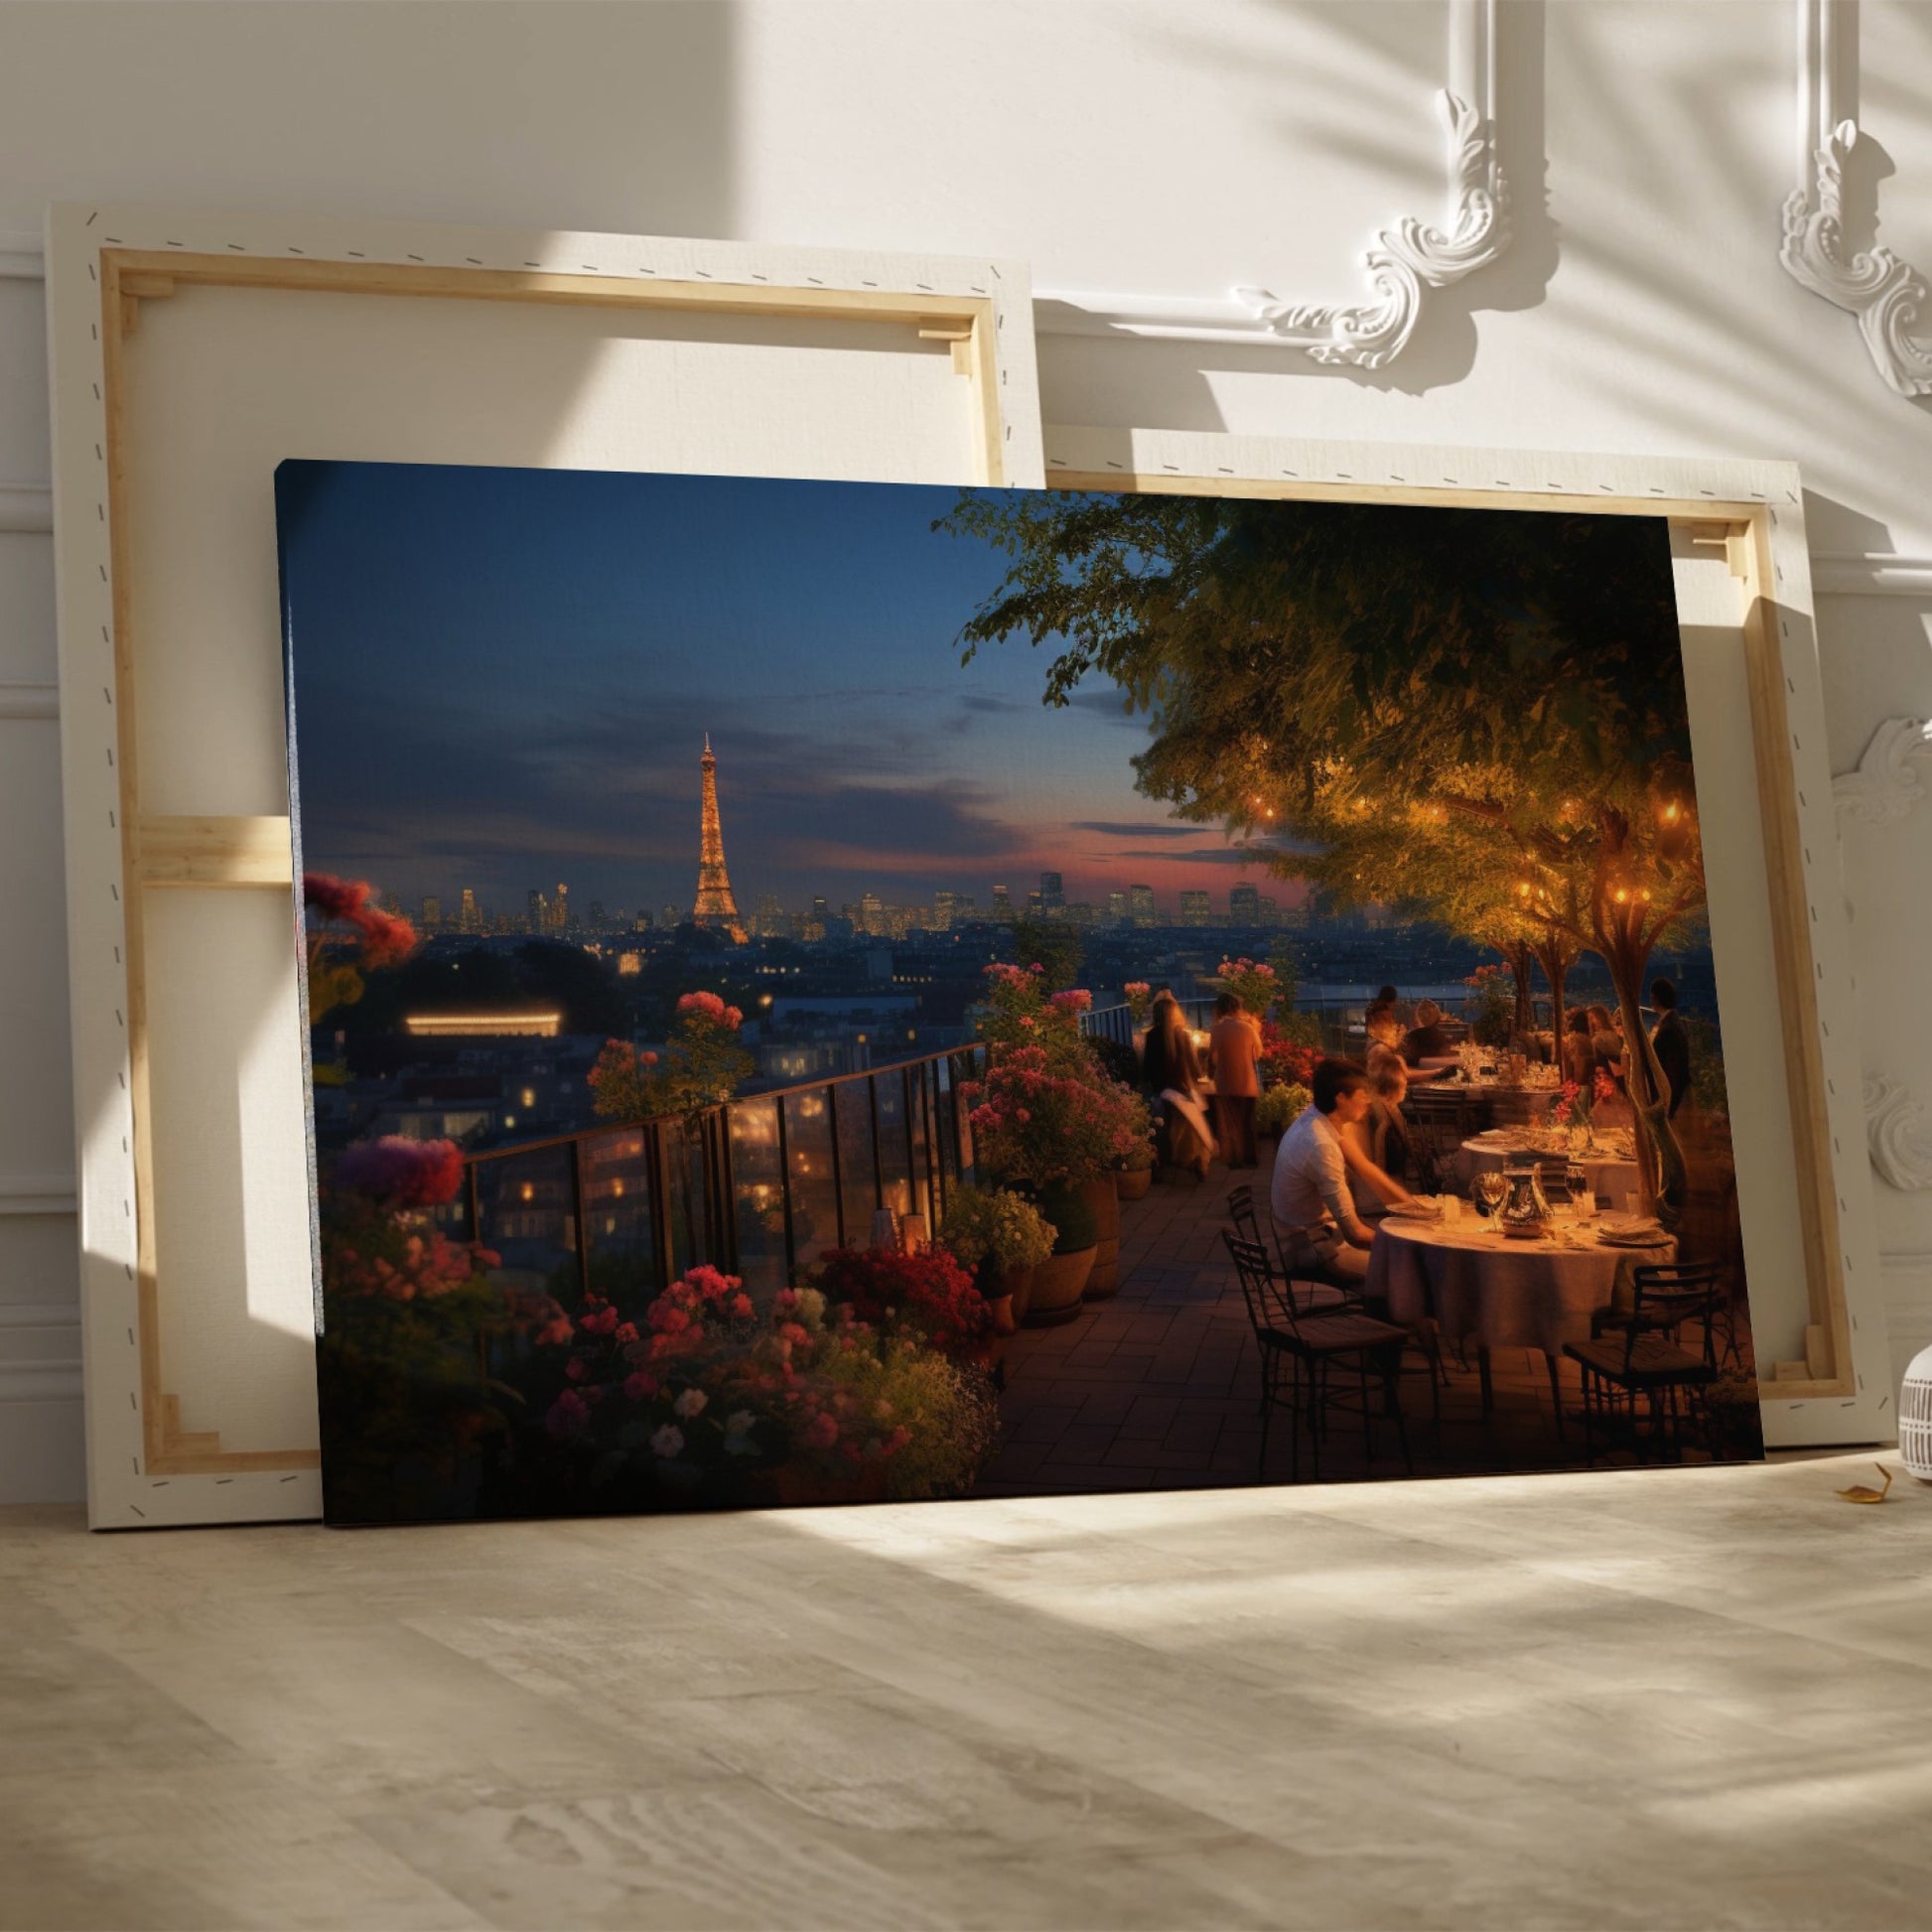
(503,679)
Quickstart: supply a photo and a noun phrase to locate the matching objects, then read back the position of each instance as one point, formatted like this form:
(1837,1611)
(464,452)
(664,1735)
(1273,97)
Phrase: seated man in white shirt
(1313,1211)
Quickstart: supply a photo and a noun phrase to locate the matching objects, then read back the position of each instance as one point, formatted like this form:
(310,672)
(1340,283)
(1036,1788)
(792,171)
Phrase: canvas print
(825,992)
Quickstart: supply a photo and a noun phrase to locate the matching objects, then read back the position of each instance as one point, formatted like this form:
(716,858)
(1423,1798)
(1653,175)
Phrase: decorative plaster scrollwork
(1408,260)
(1887,295)
(1898,1131)
(1887,785)
(1405,262)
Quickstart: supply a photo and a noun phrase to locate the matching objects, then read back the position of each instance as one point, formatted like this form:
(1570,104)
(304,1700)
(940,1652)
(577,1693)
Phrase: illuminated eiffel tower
(716,906)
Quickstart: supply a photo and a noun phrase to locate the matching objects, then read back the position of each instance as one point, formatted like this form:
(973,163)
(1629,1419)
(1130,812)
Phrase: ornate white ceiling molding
(1887,785)
(1404,262)
(1898,1131)
(1887,295)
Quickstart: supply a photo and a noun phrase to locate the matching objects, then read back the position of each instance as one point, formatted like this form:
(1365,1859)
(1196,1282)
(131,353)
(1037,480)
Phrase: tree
(1476,713)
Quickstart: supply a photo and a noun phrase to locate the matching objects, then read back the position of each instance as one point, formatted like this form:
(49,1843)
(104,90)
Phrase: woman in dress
(1382,1137)
(1174,1077)
(1382,1025)
(1579,1055)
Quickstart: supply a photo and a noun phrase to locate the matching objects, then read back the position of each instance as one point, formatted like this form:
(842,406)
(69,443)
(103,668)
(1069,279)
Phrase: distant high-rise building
(768,921)
(1140,904)
(1244,905)
(1036,906)
(1002,902)
(538,911)
(820,910)
(1053,892)
(469,917)
(671,917)
(432,913)
(1193,908)
(1116,908)
(871,914)
(596,916)
(716,906)
(560,909)
(944,906)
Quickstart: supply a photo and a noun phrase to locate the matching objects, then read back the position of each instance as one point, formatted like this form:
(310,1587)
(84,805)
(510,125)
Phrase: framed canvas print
(837,992)
(191,351)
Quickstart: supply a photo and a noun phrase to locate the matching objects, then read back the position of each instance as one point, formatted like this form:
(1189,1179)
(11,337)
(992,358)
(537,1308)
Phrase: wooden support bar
(215,852)
(150,287)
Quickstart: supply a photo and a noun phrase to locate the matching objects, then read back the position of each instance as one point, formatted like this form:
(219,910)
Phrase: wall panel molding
(1870,573)
(1885,293)
(27,507)
(40,1352)
(1406,261)
(38,1194)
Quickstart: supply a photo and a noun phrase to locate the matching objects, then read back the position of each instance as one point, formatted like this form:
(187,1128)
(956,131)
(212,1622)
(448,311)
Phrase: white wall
(1121,146)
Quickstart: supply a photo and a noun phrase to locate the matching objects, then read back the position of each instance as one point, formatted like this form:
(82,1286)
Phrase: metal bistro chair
(1306,1345)
(1638,1351)
(1314,1292)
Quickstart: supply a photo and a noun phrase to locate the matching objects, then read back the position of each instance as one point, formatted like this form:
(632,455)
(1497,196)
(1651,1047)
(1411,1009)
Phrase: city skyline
(445,749)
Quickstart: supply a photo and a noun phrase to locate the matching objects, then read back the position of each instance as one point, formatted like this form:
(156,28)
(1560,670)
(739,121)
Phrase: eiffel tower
(716,906)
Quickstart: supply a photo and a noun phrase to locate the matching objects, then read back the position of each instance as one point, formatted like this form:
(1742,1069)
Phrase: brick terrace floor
(1157,1387)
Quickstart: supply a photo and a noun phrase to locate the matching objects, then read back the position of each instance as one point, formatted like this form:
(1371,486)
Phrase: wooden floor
(1687,1697)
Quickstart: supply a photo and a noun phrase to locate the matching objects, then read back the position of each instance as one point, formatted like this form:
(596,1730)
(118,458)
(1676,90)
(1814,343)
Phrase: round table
(1607,1176)
(1484,1287)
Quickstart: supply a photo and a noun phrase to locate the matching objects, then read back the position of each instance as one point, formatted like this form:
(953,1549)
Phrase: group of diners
(1593,1040)
(1208,1107)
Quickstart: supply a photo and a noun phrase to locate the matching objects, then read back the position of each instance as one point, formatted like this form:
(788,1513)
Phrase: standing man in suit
(1670,1042)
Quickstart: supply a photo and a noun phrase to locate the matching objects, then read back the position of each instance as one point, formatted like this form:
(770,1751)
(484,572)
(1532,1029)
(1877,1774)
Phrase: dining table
(1495,1291)
(1609,1173)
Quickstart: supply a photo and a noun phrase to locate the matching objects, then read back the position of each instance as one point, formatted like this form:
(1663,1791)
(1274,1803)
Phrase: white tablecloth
(1606,1173)
(1482,1287)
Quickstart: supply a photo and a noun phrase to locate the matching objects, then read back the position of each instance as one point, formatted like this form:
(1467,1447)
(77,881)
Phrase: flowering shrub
(1490,1007)
(702,1066)
(404,1311)
(1253,982)
(929,1293)
(708,1399)
(1284,1058)
(1018,1011)
(1035,1125)
(1280,1107)
(338,959)
(995,1225)
(1139,996)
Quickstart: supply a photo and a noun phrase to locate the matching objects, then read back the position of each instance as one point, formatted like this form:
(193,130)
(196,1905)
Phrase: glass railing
(759,1188)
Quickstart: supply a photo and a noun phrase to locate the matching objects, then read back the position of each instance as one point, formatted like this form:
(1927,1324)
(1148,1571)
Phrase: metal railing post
(877,1161)
(578,1228)
(838,1166)
(785,1192)
(660,1203)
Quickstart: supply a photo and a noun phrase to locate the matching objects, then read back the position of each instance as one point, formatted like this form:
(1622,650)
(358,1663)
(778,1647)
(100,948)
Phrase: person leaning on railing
(1309,1196)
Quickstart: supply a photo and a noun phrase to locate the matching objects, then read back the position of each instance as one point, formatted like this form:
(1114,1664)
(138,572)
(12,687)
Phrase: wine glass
(1490,1190)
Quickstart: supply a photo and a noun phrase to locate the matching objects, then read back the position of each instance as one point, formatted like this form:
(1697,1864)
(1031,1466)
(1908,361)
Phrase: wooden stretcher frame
(1752,515)
(104,265)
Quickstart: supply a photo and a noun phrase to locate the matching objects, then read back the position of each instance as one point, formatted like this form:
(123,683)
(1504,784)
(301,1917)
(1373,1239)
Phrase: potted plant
(1005,1239)
(1279,1107)
(1135,1174)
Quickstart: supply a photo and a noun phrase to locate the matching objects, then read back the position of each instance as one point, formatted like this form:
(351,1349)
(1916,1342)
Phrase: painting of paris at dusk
(827,993)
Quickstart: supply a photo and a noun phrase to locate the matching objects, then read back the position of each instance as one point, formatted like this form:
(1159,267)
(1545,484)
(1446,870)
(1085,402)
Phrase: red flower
(386,937)
(402,1173)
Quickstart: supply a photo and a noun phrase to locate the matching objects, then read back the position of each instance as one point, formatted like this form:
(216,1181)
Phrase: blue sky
(503,679)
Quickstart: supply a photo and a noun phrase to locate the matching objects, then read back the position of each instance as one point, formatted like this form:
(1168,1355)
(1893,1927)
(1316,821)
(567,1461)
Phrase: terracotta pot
(1104,1198)
(1057,1284)
(1133,1183)
(1016,1286)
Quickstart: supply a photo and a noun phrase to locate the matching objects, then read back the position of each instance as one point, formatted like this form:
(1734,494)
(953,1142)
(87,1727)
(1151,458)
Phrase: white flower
(811,1308)
(738,1432)
(690,1403)
(668,1441)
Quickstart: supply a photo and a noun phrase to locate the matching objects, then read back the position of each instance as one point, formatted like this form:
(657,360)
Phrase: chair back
(1241,1212)
(1270,1307)
(1666,1294)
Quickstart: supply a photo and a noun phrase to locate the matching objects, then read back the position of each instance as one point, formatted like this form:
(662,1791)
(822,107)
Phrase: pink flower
(639,1386)
(689,1404)
(741,1308)
(668,1441)
(627,1332)
(821,1432)
(575,1369)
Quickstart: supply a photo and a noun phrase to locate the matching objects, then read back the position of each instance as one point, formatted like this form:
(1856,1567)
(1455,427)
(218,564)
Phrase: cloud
(1120,828)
